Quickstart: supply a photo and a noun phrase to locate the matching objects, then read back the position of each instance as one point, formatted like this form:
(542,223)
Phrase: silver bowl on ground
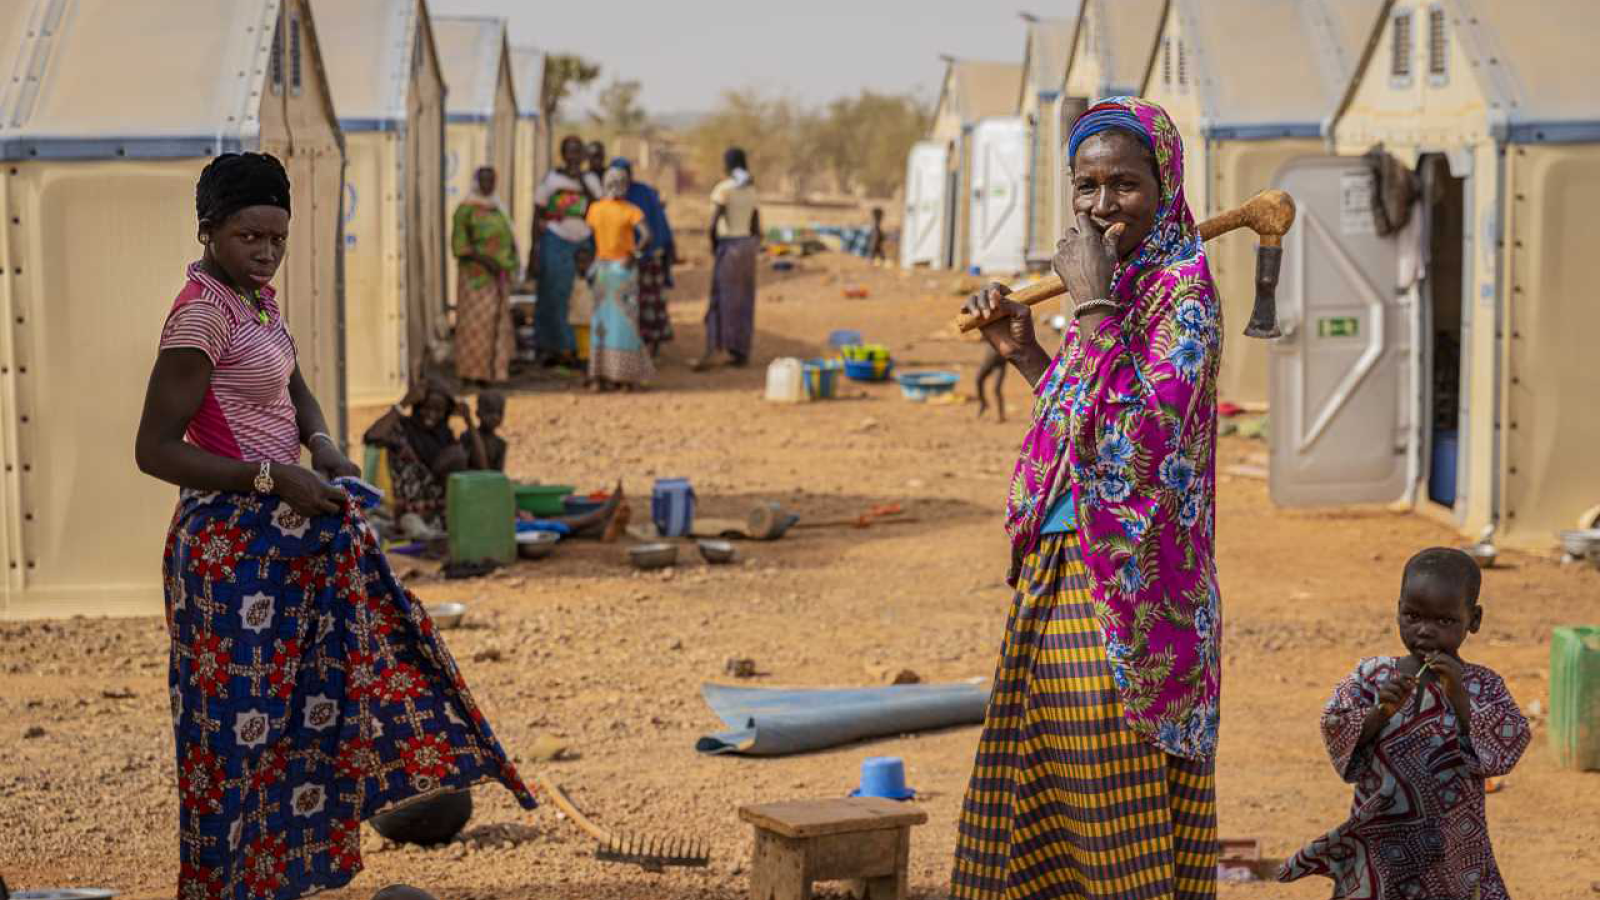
(716,551)
(536,544)
(446,615)
(1482,553)
(1580,542)
(657,555)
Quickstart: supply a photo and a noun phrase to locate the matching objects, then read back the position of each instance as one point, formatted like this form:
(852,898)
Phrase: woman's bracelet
(1088,306)
(325,436)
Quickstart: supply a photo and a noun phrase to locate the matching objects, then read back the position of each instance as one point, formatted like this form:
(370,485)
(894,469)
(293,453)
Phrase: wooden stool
(863,839)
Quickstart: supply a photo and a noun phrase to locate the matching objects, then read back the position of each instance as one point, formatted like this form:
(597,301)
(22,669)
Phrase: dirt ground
(582,647)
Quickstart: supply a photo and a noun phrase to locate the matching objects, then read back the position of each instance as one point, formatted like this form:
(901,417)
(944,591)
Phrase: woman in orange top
(617,355)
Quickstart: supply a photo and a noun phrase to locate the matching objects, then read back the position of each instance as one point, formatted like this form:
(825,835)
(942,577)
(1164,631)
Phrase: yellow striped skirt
(1065,801)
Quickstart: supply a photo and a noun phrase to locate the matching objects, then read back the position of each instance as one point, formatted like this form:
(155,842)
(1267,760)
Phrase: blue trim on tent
(1047,96)
(1569,132)
(467,118)
(17,149)
(1264,132)
(352,126)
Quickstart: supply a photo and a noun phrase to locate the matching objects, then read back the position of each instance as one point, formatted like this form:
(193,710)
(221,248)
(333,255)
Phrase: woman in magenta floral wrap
(1094,772)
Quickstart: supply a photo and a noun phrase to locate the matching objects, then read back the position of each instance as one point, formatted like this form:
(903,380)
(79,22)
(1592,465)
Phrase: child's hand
(1447,669)
(1394,692)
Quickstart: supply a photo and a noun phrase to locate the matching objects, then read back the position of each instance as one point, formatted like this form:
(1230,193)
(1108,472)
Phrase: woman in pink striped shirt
(309,689)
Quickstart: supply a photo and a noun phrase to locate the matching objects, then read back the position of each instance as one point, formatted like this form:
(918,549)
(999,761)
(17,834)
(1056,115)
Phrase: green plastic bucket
(481,516)
(1575,696)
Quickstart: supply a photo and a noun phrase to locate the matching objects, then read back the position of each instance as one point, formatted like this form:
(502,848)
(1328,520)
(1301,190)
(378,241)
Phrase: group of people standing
(599,231)
(588,208)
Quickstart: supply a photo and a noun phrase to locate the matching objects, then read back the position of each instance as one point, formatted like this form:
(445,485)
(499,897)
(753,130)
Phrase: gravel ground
(582,648)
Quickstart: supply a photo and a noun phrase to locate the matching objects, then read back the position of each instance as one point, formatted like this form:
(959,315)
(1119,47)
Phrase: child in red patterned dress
(1417,735)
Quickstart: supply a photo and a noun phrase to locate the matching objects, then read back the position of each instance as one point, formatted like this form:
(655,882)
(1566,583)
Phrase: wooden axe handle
(1269,214)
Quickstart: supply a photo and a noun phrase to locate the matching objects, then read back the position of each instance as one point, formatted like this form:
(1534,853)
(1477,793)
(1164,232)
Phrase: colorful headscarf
(1125,427)
(1101,117)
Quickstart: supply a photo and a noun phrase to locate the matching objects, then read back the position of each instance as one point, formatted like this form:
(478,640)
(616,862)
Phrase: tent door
(999,226)
(1444,390)
(1340,386)
(922,232)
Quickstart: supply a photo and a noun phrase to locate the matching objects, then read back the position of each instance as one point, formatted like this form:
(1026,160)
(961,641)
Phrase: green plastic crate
(1575,696)
(481,516)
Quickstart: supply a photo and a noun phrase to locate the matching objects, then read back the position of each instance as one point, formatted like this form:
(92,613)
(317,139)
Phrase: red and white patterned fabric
(1417,827)
(246,413)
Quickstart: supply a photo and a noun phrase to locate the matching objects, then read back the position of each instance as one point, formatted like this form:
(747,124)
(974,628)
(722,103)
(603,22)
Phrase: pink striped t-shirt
(246,413)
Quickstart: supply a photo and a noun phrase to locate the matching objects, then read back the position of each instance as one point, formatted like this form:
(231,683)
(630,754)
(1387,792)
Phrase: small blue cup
(883,776)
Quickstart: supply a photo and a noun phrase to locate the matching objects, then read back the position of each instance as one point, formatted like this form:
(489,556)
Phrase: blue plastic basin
(920,386)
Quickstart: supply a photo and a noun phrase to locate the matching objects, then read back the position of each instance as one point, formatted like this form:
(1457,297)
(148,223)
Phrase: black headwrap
(234,181)
(733,158)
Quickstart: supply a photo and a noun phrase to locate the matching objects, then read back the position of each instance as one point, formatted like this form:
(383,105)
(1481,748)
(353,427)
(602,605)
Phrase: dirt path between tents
(611,661)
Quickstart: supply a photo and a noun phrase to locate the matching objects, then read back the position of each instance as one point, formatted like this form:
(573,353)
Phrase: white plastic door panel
(922,232)
(999,223)
(1340,382)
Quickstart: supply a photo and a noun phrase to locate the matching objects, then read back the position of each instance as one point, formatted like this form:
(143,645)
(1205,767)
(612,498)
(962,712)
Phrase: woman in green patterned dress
(485,249)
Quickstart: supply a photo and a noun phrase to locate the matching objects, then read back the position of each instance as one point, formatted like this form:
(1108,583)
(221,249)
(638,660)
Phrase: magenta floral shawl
(1126,423)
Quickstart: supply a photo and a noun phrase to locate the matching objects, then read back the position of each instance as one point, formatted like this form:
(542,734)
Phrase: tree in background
(856,144)
(774,132)
(617,109)
(563,73)
(864,140)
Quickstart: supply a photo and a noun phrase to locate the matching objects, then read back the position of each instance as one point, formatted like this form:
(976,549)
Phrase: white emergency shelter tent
(480,111)
(1462,374)
(927,207)
(972,91)
(533,137)
(1044,63)
(999,208)
(1248,103)
(98,162)
(389,92)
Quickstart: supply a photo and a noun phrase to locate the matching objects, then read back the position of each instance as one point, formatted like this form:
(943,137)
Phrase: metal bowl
(1482,554)
(446,615)
(653,556)
(1580,542)
(717,552)
(536,544)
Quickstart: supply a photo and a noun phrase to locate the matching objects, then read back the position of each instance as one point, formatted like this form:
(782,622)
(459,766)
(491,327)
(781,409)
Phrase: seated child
(491,412)
(1417,735)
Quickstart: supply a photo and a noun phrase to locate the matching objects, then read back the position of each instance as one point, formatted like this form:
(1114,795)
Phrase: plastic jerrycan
(786,381)
(672,506)
(481,516)
(1575,696)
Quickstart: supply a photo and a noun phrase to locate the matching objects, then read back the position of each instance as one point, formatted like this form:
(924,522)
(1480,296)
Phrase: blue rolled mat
(778,721)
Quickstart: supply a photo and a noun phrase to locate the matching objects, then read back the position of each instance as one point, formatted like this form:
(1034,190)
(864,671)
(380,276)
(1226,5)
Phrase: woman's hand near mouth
(1085,260)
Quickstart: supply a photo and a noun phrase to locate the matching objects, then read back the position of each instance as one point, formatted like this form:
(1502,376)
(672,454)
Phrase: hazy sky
(686,52)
